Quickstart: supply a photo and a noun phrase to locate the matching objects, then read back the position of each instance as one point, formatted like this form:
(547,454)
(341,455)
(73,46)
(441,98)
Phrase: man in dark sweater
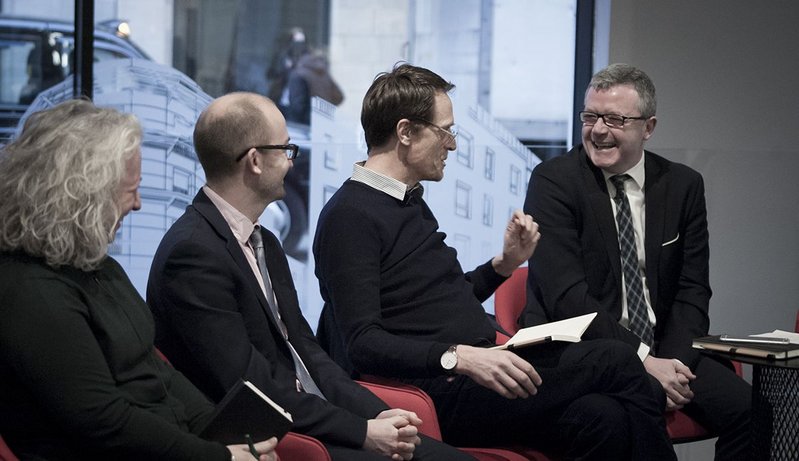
(398,304)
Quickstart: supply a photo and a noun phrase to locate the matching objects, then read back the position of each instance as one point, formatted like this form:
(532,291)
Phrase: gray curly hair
(59,183)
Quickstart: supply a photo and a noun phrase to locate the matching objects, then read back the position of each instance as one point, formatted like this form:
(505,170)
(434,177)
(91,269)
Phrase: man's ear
(649,127)
(404,130)
(254,163)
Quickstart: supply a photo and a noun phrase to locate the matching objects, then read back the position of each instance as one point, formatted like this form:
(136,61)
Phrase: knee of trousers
(599,416)
(600,428)
(610,352)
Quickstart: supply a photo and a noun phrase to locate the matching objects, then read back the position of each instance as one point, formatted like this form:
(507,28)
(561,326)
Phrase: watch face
(449,360)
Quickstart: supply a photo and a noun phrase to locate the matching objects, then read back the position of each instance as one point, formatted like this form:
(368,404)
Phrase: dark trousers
(428,450)
(596,402)
(722,403)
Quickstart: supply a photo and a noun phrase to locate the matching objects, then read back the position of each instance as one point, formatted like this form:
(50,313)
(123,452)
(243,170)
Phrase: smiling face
(128,198)
(615,150)
(426,159)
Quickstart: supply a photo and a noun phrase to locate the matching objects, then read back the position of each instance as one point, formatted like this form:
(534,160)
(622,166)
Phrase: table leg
(775,413)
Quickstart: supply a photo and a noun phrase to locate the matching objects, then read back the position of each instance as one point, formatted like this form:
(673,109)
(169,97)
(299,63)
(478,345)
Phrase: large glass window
(246,45)
(514,57)
(512,62)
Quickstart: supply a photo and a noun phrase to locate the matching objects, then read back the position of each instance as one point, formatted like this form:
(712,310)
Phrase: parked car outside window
(36,54)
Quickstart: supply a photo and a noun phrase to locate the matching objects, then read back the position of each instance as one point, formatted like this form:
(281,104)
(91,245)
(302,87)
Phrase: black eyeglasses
(611,120)
(452,131)
(291,150)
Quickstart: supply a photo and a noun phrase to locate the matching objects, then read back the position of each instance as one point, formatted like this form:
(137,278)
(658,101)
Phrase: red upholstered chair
(298,447)
(408,397)
(5,452)
(293,447)
(509,301)
(796,328)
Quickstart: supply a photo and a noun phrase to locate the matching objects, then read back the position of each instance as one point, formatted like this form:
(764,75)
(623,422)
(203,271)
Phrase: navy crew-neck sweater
(396,290)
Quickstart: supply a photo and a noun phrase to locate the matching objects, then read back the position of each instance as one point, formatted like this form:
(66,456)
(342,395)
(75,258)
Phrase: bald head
(230,125)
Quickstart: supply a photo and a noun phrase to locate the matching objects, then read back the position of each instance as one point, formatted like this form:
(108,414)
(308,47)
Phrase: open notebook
(569,330)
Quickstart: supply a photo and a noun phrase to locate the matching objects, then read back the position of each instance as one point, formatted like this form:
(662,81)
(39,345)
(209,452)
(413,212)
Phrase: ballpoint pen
(252,446)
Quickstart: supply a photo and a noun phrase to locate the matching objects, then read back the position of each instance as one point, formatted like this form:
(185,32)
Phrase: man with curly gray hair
(79,377)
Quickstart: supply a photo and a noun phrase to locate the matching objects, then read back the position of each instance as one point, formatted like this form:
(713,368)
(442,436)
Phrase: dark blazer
(212,322)
(576,267)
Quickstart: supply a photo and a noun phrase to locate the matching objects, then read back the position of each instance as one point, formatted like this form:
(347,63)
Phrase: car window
(36,55)
(14,69)
(23,73)
(103,54)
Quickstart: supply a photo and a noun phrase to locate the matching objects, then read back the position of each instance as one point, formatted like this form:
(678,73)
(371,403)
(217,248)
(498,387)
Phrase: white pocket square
(672,240)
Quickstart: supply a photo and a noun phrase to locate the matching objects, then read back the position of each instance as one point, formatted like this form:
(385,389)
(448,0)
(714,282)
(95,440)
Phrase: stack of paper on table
(764,345)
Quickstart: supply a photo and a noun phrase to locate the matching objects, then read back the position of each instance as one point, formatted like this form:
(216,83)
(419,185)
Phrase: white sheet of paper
(792,337)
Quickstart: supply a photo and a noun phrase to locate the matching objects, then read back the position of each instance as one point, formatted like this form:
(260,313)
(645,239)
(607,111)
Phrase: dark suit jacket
(576,267)
(212,323)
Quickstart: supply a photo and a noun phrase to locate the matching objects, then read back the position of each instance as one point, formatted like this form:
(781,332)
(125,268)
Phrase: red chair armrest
(509,300)
(5,452)
(298,447)
(407,397)
(499,454)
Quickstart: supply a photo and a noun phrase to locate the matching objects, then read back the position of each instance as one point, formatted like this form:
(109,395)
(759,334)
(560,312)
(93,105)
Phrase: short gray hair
(625,74)
(59,182)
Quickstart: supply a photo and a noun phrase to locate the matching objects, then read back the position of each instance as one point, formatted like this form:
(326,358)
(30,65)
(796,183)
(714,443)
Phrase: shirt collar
(241,225)
(637,172)
(381,182)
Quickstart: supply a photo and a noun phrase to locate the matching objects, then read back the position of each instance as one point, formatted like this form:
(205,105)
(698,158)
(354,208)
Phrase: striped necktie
(304,378)
(636,304)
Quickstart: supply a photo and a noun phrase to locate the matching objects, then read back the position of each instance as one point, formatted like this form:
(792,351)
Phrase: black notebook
(246,410)
(748,346)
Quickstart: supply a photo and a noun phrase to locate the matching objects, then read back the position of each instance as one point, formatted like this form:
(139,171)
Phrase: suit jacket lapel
(278,272)
(599,201)
(208,210)
(655,198)
(280,275)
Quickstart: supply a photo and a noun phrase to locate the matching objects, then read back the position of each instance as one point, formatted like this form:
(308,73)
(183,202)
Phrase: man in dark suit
(624,233)
(221,316)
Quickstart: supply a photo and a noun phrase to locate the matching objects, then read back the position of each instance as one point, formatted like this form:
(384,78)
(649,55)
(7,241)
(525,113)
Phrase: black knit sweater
(78,375)
(396,290)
